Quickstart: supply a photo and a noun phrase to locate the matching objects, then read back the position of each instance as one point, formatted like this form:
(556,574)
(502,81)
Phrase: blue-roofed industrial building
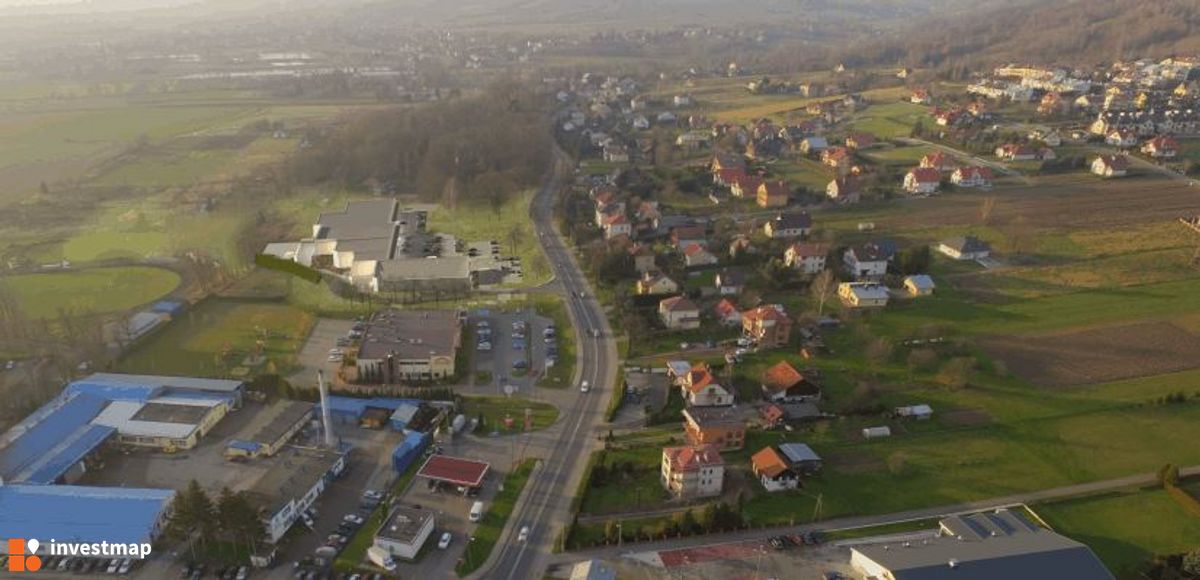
(68,513)
(351,409)
(409,450)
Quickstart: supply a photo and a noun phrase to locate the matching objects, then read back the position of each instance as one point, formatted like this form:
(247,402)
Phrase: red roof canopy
(454,470)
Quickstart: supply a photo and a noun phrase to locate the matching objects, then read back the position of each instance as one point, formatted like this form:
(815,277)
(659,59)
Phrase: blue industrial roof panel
(69,513)
(45,429)
(67,455)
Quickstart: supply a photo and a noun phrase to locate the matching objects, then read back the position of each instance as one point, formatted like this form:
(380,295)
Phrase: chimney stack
(326,422)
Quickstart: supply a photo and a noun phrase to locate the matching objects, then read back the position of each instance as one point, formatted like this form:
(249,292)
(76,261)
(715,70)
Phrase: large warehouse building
(51,449)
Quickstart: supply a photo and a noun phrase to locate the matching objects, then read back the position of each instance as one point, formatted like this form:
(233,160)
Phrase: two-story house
(768,325)
(808,258)
(723,427)
(867,261)
(788,225)
(679,313)
(693,471)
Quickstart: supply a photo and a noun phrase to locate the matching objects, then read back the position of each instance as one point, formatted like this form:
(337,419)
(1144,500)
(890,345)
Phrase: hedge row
(287,267)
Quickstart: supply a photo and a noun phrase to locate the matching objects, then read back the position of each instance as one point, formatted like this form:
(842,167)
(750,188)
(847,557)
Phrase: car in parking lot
(519,364)
(445,541)
(484,346)
(353,519)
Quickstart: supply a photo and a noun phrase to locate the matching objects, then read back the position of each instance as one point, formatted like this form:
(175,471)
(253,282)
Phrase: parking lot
(512,346)
(314,354)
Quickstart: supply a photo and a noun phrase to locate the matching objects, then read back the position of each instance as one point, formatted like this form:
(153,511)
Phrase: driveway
(315,353)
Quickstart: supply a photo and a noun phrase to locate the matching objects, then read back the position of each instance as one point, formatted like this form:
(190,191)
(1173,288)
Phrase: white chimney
(326,422)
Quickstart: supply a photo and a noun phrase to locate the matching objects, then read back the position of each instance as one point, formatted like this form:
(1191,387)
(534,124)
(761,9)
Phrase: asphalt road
(546,509)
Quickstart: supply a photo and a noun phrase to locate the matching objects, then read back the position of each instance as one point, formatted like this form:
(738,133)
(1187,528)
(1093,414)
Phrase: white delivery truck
(381,558)
(477,511)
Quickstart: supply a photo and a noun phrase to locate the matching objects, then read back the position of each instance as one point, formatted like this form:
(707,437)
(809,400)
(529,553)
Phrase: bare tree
(822,286)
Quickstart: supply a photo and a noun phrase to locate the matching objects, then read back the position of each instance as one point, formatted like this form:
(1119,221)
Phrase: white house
(808,258)
(773,471)
(692,471)
(1110,166)
(863,294)
(867,261)
(922,180)
(679,313)
(405,532)
(695,255)
(788,225)
(971,177)
(919,285)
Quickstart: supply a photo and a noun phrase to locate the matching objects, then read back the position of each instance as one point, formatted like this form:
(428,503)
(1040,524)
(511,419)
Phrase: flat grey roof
(999,545)
(364,219)
(411,334)
(443,268)
(292,474)
(283,415)
(404,524)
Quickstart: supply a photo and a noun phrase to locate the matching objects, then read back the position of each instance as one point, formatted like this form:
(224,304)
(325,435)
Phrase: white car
(353,519)
(445,541)
(584,387)
(524,535)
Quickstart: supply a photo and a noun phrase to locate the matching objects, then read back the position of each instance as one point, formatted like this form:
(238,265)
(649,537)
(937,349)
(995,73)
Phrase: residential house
(730,282)
(939,161)
(740,245)
(808,258)
(920,97)
(679,313)
(919,285)
(696,256)
(1110,166)
(845,189)
(773,471)
(965,248)
(700,389)
(643,258)
(725,160)
(641,123)
(654,283)
(727,313)
(813,145)
(788,225)
(1121,138)
(681,100)
(801,458)
(1016,152)
(863,294)
(773,194)
(722,427)
(860,140)
(693,471)
(781,413)
(616,225)
(922,180)
(614,153)
(728,176)
(1161,147)
(973,176)
(836,157)
(867,261)
(745,185)
(782,383)
(768,325)
(692,141)
(685,236)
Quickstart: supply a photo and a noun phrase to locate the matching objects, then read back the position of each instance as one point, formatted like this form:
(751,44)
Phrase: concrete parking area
(508,345)
(314,355)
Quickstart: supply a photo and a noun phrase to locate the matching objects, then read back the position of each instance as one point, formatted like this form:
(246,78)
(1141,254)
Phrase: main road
(546,506)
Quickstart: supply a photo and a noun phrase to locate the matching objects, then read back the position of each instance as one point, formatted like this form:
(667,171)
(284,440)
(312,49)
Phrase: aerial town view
(559,289)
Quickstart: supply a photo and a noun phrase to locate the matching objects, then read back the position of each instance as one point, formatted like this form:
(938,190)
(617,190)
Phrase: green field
(891,119)
(95,291)
(1125,528)
(495,410)
(217,338)
(508,224)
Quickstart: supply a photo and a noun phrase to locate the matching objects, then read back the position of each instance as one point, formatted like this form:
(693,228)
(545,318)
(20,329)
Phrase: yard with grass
(624,480)
(1125,528)
(487,534)
(495,410)
(222,338)
(93,291)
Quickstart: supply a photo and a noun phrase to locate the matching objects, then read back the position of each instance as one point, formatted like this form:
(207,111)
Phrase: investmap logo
(22,555)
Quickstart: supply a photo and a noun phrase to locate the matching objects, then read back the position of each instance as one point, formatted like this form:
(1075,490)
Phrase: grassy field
(1125,528)
(631,483)
(494,519)
(891,119)
(508,225)
(218,337)
(96,291)
(494,410)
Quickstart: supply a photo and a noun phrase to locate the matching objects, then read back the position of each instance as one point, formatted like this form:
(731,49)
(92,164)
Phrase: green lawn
(899,155)
(495,409)
(630,481)
(509,225)
(1125,528)
(217,338)
(495,518)
(892,119)
(96,291)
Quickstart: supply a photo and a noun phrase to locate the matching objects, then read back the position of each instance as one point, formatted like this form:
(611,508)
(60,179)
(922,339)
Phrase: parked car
(445,541)
(353,519)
